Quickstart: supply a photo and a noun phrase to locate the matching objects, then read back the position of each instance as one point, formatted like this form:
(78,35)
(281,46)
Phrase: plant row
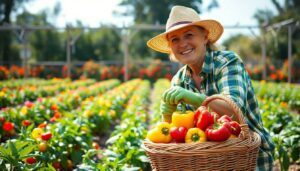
(16,96)
(17,83)
(279,92)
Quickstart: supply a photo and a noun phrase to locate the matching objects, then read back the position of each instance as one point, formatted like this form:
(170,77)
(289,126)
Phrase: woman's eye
(174,40)
(189,35)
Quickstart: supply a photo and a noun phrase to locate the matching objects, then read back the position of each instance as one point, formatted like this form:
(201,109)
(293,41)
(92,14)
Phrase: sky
(93,13)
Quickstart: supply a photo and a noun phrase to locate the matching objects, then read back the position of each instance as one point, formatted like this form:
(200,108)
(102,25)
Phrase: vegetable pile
(191,127)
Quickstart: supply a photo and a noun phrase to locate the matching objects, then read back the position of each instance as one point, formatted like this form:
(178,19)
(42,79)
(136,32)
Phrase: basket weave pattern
(234,154)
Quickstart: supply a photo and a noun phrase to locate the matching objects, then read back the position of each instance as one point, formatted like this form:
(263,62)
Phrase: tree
(290,9)
(7,7)
(46,44)
(246,47)
(107,44)
(156,12)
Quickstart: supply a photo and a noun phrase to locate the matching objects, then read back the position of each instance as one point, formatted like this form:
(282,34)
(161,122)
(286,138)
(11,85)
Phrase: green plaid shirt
(223,73)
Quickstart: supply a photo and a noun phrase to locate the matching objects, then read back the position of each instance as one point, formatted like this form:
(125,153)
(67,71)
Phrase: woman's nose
(182,43)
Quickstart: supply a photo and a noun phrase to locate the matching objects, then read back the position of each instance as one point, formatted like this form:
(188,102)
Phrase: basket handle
(236,111)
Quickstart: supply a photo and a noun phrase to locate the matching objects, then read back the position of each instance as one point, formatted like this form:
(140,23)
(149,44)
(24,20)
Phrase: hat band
(178,23)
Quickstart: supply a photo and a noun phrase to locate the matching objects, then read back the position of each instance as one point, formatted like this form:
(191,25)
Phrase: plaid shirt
(223,73)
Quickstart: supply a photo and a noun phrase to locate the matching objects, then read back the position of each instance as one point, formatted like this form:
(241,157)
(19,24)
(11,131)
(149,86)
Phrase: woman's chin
(186,61)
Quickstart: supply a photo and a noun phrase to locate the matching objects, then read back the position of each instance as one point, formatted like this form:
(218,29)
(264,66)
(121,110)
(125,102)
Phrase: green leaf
(110,153)
(286,161)
(26,150)
(20,144)
(83,167)
(127,168)
(13,149)
(4,151)
(295,153)
(111,140)
(144,158)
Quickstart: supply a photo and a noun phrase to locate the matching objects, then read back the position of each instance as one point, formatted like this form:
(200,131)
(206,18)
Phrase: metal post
(126,55)
(25,52)
(290,53)
(263,53)
(68,53)
(25,56)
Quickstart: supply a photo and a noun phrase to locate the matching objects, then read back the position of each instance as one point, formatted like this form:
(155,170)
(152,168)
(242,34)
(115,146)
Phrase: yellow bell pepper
(195,135)
(185,119)
(160,134)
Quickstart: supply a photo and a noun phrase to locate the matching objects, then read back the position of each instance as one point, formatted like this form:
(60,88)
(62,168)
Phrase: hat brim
(160,43)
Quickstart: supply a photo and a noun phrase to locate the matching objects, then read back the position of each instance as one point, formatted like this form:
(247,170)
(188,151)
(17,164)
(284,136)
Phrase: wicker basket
(234,154)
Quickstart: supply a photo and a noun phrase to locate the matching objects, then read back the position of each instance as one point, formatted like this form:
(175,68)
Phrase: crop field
(60,124)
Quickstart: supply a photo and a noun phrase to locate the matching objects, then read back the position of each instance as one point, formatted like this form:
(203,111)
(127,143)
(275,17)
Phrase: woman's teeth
(186,52)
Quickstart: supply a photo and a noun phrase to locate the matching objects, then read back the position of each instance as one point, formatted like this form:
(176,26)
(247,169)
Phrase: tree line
(105,43)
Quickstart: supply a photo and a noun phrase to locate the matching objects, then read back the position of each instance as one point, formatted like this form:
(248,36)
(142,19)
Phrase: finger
(162,108)
(169,96)
(178,98)
(164,96)
(172,97)
(166,109)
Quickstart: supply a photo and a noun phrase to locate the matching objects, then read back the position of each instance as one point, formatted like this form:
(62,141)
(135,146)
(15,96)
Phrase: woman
(207,71)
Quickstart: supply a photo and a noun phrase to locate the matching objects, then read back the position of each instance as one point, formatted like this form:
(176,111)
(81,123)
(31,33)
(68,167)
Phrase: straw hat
(180,17)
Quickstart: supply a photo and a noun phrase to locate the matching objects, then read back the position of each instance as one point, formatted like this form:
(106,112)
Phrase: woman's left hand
(176,94)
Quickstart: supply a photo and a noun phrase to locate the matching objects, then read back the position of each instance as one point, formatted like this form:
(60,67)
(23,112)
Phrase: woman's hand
(167,110)
(176,94)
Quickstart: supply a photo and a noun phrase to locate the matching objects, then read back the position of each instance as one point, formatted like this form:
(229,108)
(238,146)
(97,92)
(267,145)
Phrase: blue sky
(94,12)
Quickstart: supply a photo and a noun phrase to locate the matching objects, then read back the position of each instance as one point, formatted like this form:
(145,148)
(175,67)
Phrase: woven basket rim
(236,144)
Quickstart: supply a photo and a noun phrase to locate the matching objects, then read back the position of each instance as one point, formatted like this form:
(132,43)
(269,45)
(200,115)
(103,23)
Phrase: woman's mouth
(187,51)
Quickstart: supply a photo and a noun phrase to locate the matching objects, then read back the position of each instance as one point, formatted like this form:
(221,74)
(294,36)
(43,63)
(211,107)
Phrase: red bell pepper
(224,118)
(218,131)
(198,113)
(205,119)
(235,128)
(178,133)
(196,116)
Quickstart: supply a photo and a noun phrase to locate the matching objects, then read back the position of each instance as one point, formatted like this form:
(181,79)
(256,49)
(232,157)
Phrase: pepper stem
(183,108)
(195,137)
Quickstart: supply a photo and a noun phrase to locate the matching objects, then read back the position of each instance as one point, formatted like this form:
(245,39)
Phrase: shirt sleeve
(231,82)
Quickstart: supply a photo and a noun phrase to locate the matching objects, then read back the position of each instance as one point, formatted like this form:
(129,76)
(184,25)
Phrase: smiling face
(188,45)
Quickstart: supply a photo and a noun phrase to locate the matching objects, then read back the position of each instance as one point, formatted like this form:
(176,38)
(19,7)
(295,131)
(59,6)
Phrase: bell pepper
(160,134)
(183,118)
(198,113)
(178,133)
(224,118)
(195,135)
(235,127)
(205,119)
(218,131)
